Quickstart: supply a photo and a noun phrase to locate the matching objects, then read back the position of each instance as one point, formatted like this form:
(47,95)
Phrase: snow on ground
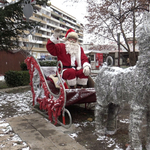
(12,105)
(18,104)
(10,140)
(15,104)
(1,78)
(103,139)
(110,142)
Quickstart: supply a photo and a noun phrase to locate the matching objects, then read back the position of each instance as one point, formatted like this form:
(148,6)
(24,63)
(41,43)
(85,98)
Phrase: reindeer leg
(112,118)
(148,130)
(135,126)
(100,120)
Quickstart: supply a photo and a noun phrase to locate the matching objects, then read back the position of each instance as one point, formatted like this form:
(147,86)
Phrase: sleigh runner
(53,97)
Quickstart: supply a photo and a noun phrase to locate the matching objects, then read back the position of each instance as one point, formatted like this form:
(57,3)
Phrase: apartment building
(49,18)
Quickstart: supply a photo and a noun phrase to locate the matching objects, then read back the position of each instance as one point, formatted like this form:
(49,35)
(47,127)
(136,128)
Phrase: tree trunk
(132,57)
(133,61)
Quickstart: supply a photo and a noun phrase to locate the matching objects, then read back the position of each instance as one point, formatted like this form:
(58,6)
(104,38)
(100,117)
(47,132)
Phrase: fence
(10,61)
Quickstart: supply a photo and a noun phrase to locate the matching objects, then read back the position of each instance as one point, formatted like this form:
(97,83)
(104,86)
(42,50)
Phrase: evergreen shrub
(48,63)
(17,78)
(23,66)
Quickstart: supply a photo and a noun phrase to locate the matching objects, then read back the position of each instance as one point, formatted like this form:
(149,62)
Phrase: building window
(92,57)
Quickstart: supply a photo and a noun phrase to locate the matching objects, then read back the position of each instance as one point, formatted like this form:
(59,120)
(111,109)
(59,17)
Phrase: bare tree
(108,18)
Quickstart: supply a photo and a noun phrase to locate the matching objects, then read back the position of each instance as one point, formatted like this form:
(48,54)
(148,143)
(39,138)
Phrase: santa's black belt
(69,67)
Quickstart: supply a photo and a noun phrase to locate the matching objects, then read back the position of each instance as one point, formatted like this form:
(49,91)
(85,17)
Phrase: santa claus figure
(76,67)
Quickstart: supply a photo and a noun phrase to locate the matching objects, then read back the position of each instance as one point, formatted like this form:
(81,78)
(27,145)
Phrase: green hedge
(48,63)
(17,78)
(23,66)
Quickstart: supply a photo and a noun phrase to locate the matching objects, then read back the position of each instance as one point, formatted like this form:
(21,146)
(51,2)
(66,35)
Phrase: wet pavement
(40,134)
(12,105)
(23,129)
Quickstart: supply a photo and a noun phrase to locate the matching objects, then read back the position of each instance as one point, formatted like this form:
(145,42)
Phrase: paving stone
(40,134)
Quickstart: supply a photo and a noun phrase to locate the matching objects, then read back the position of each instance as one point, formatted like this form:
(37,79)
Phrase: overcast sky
(77,10)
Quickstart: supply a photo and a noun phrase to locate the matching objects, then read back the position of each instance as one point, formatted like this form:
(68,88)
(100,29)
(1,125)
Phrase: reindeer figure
(112,86)
(115,86)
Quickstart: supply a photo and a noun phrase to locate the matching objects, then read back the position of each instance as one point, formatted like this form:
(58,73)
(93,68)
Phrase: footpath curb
(14,88)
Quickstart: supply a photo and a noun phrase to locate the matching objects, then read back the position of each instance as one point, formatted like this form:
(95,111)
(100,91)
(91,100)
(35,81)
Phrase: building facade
(49,18)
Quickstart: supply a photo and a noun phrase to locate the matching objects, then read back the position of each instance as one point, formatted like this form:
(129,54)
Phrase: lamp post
(118,42)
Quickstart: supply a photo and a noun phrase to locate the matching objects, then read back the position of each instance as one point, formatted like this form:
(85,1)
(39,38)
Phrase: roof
(105,51)
(96,51)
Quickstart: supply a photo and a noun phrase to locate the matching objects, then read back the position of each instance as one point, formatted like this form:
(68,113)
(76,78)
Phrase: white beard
(72,48)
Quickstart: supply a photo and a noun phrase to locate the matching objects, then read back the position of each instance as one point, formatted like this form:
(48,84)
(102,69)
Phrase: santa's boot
(79,86)
(72,87)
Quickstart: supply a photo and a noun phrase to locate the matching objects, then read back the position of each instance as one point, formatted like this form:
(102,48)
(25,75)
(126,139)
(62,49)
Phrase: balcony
(37,49)
(69,20)
(55,14)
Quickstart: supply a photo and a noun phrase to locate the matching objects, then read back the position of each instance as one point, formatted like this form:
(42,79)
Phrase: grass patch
(14,90)
(19,90)
(3,85)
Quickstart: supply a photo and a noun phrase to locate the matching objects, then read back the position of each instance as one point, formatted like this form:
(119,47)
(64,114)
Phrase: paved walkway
(37,132)
(40,134)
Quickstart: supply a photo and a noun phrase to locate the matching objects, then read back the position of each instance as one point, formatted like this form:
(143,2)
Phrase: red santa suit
(73,62)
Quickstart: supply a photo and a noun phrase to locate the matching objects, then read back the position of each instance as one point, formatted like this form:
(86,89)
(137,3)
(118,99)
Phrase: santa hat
(71,33)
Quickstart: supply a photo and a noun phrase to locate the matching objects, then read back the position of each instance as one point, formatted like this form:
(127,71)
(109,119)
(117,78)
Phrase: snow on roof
(105,51)
(96,51)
